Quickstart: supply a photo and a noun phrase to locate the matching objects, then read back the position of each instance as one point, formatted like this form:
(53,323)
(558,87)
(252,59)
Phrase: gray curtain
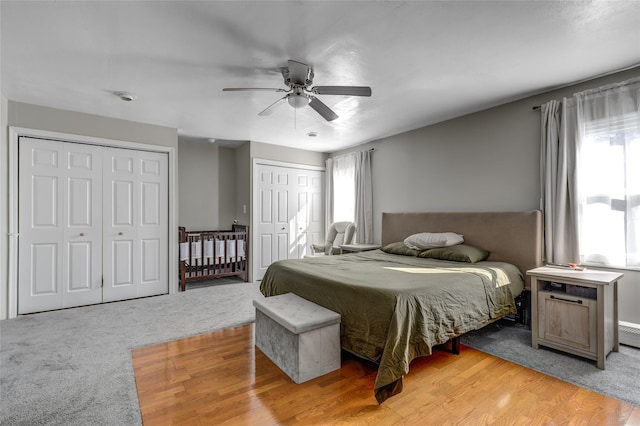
(364,198)
(328,193)
(356,166)
(560,201)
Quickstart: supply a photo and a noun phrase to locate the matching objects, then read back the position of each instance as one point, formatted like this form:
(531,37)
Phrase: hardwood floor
(220,378)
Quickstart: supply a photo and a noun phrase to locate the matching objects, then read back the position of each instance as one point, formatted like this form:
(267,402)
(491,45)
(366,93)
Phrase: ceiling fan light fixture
(298,100)
(298,77)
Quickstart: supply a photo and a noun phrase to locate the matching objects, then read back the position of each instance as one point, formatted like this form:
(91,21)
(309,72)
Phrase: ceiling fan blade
(342,90)
(322,109)
(246,89)
(271,108)
(300,73)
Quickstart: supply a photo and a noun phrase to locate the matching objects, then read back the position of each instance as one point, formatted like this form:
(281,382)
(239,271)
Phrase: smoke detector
(125,96)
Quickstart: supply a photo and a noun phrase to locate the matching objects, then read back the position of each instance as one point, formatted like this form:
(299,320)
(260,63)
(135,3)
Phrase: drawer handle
(566,300)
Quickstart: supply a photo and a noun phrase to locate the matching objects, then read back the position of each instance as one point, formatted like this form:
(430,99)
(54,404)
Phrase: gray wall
(207,180)
(267,151)
(4,209)
(243,184)
(198,185)
(227,179)
(70,122)
(79,123)
(487,161)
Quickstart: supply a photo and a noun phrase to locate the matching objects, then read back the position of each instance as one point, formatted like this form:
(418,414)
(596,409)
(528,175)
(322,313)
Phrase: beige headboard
(513,237)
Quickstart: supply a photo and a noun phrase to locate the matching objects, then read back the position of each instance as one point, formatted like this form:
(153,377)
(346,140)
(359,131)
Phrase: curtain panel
(328,192)
(560,201)
(608,120)
(590,176)
(350,192)
(364,198)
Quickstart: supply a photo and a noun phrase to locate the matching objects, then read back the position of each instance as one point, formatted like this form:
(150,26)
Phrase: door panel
(80,271)
(150,204)
(44,270)
(135,230)
(122,203)
(119,232)
(153,220)
(150,255)
(60,222)
(122,265)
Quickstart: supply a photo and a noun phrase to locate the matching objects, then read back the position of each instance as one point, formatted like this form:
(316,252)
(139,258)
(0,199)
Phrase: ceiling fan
(298,77)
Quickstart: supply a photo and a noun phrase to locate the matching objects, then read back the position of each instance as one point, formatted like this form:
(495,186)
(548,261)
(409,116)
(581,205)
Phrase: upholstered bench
(300,337)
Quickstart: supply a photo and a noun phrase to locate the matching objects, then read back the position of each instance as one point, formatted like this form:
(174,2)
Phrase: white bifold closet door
(60,217)
(290,214)
(89,215)
(135,217)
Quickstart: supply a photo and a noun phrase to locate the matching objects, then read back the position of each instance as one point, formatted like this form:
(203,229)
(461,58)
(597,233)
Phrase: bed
(213,254)
(397,307)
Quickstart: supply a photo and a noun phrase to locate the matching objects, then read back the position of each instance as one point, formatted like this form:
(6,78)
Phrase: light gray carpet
(73,367)
(620,379)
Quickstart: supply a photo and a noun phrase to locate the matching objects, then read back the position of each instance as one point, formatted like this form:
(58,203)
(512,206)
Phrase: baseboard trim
(629,333)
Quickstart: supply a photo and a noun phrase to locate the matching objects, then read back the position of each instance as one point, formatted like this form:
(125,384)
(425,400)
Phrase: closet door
(306,192)
(60,225)
(289,214)
(135,224)
(274,229)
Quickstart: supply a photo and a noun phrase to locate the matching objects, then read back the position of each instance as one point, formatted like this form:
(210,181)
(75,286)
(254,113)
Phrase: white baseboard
(629,333)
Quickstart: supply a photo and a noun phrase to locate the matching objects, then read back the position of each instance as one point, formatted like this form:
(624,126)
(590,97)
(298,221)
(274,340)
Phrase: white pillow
(427,240)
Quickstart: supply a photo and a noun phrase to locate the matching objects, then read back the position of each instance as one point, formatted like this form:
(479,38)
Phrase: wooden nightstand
(577,314)
(356,248)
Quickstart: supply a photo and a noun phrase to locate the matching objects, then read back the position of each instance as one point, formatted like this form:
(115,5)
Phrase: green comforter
(395,308)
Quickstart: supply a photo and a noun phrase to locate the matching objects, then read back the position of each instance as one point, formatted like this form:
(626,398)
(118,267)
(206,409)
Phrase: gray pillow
(400,248)
(457,253)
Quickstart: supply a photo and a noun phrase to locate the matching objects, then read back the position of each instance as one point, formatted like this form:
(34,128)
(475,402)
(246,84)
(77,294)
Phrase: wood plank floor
(220,378)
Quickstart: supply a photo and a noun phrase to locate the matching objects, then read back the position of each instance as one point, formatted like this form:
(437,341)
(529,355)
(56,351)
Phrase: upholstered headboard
(513,237)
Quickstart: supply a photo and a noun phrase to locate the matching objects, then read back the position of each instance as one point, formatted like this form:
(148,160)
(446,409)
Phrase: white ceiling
(425,61)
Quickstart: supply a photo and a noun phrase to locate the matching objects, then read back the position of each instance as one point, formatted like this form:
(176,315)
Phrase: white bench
(300,337)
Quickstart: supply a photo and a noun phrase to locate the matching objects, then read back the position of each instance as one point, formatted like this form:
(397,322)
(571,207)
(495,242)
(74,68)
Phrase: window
(344,188)
(609,183)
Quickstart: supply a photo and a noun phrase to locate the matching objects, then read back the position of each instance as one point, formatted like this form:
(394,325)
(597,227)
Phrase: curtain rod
(537,107)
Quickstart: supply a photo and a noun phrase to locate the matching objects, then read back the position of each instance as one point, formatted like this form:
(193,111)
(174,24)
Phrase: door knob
(82,234)
(119,233)
(283,228)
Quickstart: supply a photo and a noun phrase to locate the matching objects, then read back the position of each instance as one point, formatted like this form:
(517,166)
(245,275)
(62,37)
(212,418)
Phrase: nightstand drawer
(568,320)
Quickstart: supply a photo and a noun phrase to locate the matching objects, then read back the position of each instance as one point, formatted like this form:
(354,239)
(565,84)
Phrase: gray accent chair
(339,233)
